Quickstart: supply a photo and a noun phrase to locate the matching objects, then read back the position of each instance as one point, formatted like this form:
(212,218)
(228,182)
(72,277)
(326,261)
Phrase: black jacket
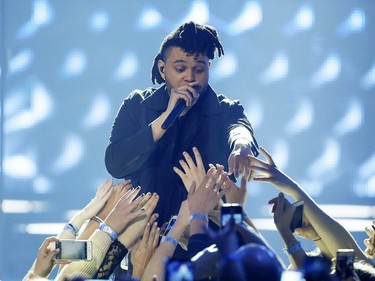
(132,153)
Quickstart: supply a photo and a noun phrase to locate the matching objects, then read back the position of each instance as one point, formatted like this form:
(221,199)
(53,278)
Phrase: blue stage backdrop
(304,71)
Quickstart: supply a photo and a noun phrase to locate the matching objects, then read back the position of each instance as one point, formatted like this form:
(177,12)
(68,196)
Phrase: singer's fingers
(194,90)
(185,95)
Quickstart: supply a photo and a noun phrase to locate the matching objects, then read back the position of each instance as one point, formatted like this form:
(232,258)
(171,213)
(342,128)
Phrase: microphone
(176,111)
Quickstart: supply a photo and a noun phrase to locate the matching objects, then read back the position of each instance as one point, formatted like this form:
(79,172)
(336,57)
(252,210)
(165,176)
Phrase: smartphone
(71,249)
(170,224)
(297,219)
(344,263)
(178,270)
(231,210)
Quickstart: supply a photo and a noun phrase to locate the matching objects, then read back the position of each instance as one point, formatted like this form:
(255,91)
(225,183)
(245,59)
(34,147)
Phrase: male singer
(145,145)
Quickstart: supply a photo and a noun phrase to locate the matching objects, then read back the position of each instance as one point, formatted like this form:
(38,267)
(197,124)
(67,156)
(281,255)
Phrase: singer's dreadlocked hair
(194,39)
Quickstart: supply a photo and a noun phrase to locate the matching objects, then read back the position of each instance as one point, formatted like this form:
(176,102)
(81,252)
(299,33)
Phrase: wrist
(199,216)
(72,228)
(292,247)
(107,229)
(169,239)
(34,275)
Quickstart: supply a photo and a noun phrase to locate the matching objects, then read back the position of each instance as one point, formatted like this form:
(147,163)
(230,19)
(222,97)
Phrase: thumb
(193,187)
(230,165)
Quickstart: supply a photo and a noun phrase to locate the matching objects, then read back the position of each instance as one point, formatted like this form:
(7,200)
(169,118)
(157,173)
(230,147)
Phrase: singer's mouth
(197,87)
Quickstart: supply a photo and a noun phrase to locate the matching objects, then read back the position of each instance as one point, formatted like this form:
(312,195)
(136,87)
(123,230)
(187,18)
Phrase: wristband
(169,239)
(71,228)
(107,229)
(199,217)
(293,249)
(97,219)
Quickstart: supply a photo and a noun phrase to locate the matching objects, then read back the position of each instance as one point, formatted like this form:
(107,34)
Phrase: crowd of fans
(121,224)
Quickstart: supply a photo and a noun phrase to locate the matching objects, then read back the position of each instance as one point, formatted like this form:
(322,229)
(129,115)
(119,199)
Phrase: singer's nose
(190,76)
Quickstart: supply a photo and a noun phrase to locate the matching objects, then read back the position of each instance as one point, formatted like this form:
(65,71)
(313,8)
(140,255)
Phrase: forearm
(76,223)
(157,131)
(88,230)
(166,249)
(242,134)
(293,249)
(121,161)
(332,233)
(112,259)
(198,226)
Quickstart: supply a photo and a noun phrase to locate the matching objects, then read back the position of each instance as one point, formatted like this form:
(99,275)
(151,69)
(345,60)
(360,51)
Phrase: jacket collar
(208,103)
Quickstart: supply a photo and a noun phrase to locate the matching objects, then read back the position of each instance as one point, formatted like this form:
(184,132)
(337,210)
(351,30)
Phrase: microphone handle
(176,111)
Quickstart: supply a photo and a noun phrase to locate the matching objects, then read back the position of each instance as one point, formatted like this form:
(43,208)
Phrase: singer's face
(180,69)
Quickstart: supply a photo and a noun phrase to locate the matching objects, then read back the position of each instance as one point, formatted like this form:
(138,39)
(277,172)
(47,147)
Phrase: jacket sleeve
(131,141)
(239,127)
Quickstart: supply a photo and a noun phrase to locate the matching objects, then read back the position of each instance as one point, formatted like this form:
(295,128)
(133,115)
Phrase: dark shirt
(132,153)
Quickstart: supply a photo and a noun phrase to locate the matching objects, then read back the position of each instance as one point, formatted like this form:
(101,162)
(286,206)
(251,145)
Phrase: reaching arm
(123,213)
(167,246)
(283,213)
(333,234)
(242,142)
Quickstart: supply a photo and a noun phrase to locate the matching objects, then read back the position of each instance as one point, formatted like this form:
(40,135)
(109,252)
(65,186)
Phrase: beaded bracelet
(199,217)
(97,219)
(169,239)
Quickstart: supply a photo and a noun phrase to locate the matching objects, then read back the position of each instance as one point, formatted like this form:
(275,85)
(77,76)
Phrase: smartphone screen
(297,219)
(179,270)
(229,211)
(71,249)
(344,263)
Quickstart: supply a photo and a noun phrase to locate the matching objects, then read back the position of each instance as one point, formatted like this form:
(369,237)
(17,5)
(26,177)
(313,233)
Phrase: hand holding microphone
(188,95)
